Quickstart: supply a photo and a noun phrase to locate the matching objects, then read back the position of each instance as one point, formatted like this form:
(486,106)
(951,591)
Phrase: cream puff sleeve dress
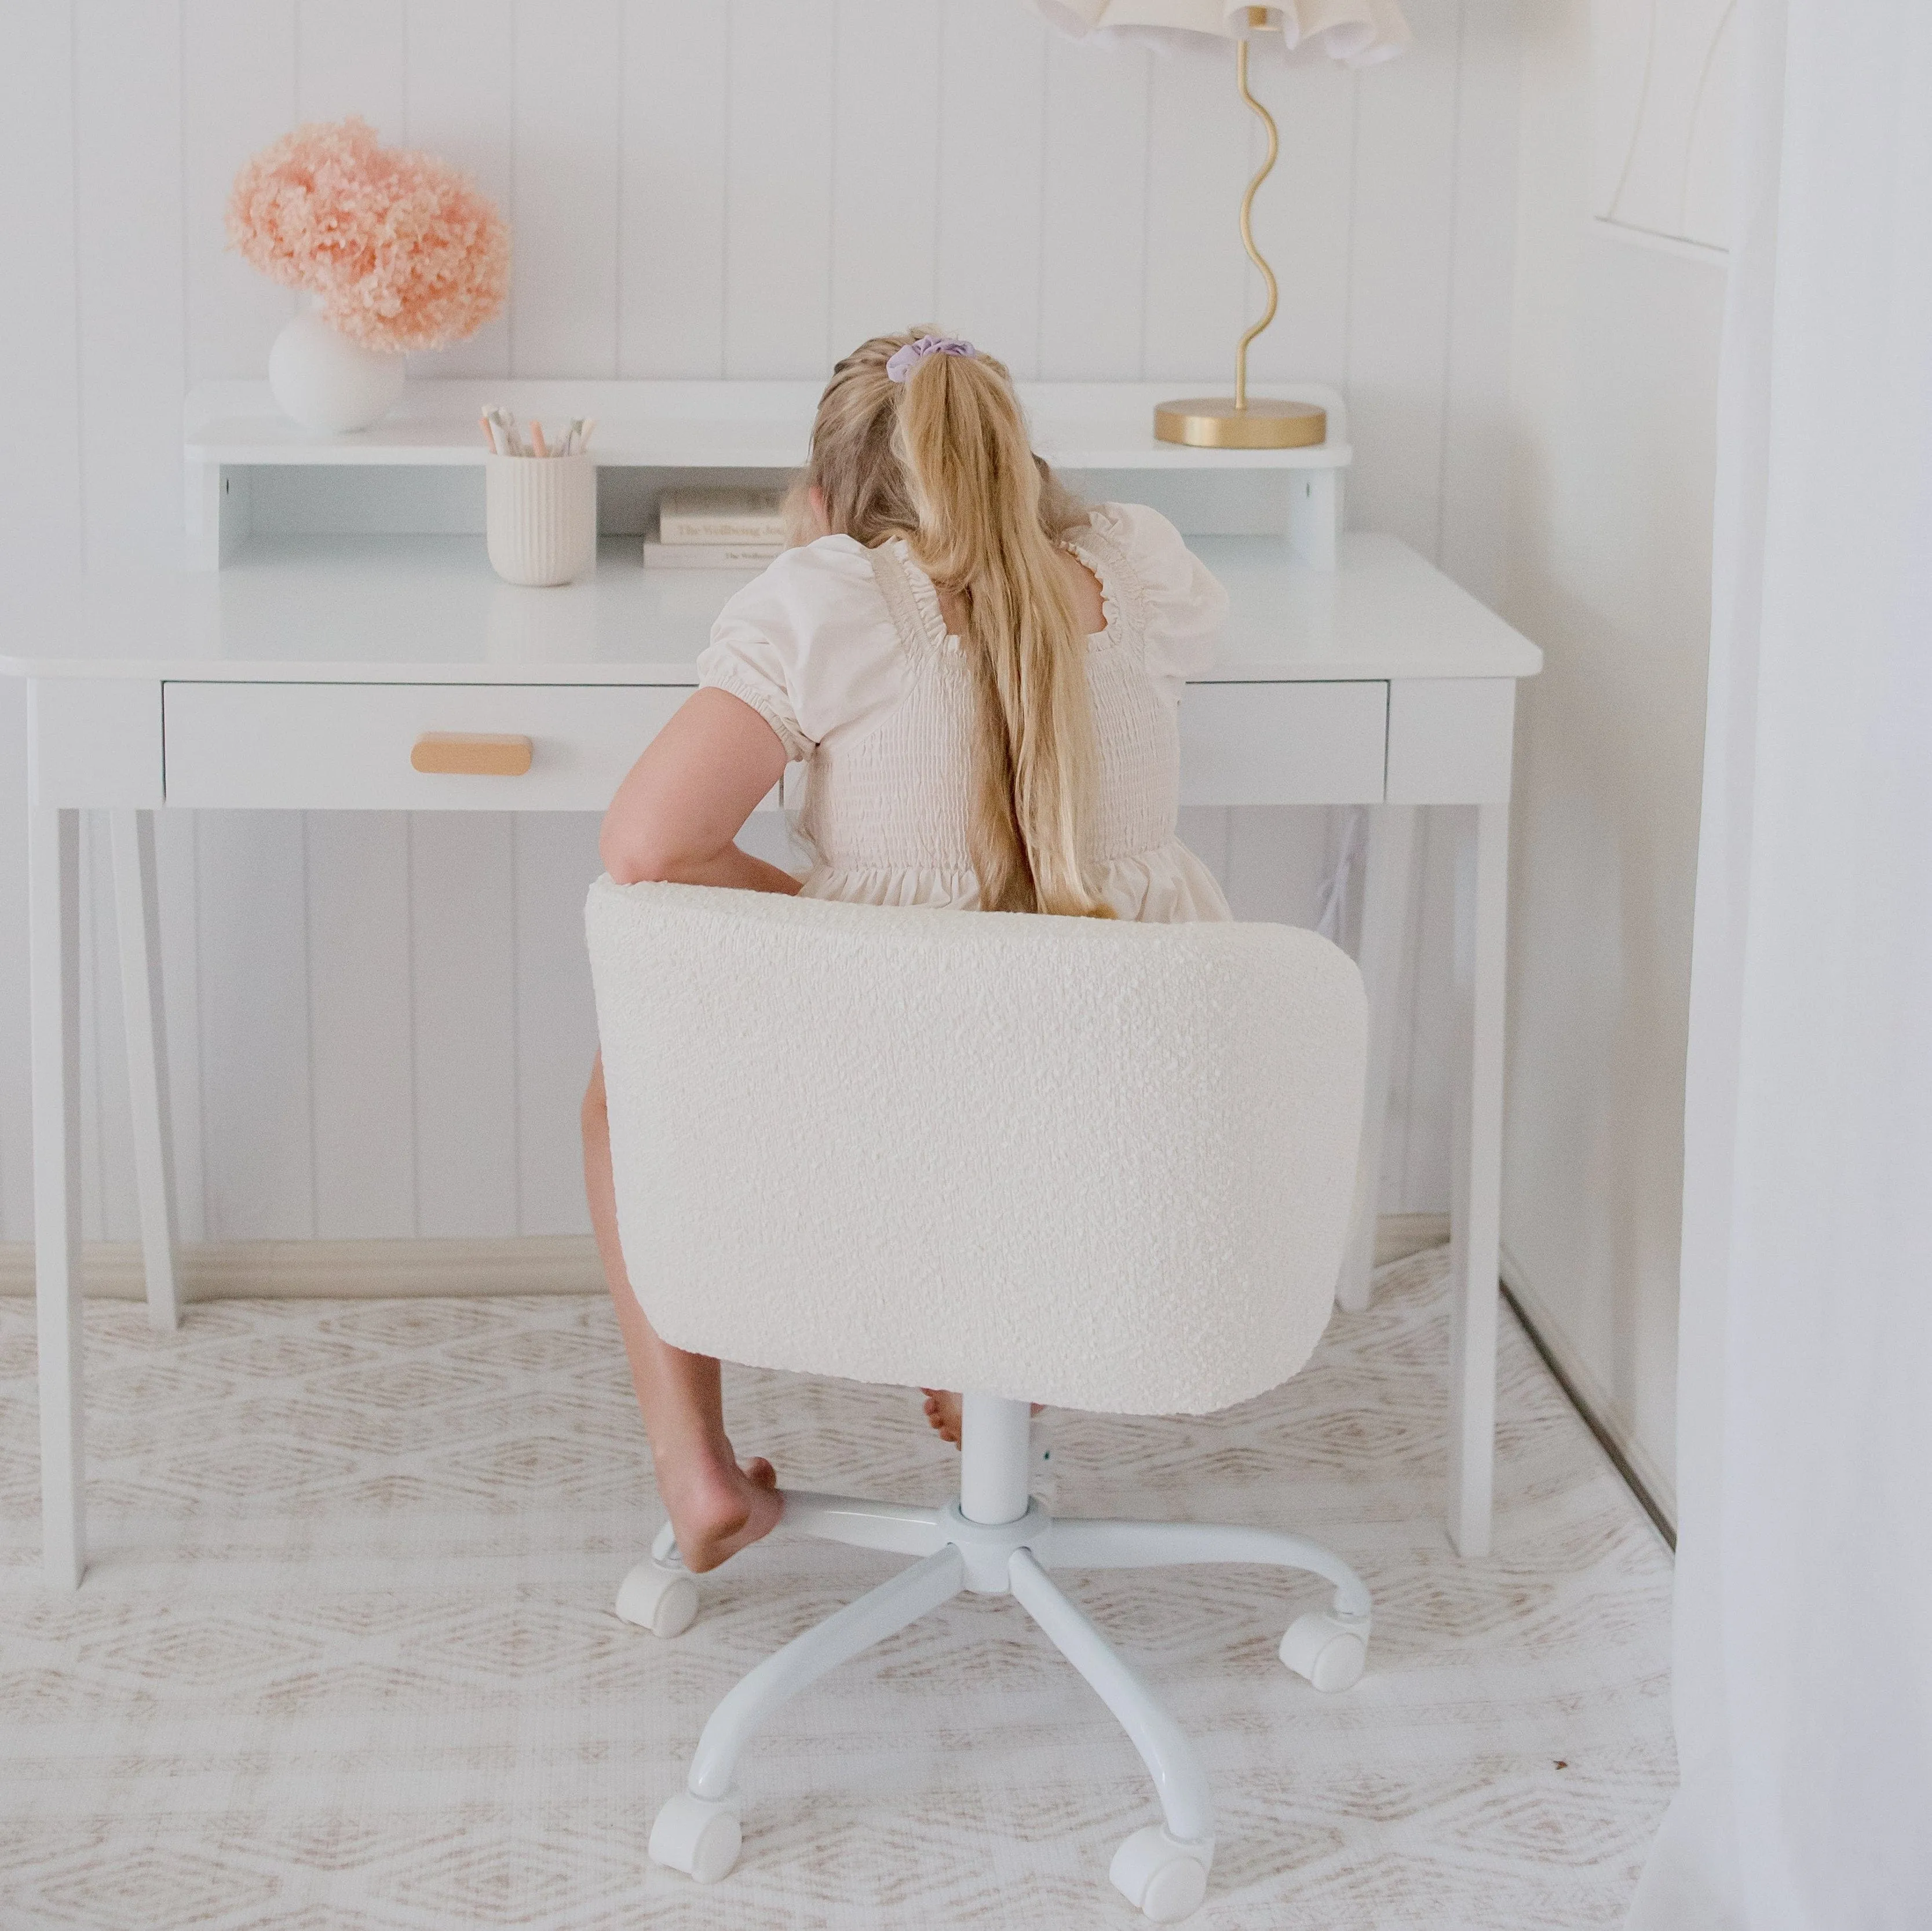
(842,651)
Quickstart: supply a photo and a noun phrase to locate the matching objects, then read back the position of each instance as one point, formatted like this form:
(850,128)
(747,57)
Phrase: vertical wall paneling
(556,859)
(991,195)
(1302,214)
(16,1151)
(364,1091)
(350,59)
(1093,253)
(128,283)
(676,79)
(458,66)
(40,502)
(567,109)
(258,1141)
(777,214)
(1198,164)
(739,186)
(238,69)
(885,168)
(1400,268)
(462,965)
(1475,432)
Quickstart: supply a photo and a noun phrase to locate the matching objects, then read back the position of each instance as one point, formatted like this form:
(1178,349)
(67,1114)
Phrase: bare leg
(716,1507)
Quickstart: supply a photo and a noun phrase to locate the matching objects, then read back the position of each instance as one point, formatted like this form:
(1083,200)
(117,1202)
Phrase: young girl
(982,678)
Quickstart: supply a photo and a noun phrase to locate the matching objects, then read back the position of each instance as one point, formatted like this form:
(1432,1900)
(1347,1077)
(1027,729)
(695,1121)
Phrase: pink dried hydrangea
(404,251)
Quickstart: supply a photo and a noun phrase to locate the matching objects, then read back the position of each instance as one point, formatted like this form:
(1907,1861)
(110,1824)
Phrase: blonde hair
(942,459)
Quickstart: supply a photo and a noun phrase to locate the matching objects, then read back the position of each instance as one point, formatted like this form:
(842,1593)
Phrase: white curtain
(1804,1637)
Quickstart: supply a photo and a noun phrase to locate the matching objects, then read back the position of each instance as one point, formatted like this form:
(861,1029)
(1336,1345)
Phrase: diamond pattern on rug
(346,1656)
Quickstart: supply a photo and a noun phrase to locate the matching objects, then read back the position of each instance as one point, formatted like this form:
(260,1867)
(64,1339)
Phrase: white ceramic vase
(324,381)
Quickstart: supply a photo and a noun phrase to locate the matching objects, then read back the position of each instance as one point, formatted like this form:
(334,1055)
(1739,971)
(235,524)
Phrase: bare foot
(717,1508)
(942,1412)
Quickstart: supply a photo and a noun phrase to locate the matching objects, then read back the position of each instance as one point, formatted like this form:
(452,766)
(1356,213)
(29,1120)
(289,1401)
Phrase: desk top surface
(430,610)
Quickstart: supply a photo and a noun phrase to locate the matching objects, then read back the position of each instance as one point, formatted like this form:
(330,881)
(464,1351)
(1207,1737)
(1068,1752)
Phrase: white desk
(299,676)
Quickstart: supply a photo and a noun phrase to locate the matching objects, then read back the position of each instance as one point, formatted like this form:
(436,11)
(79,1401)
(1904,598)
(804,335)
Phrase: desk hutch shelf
(651,433)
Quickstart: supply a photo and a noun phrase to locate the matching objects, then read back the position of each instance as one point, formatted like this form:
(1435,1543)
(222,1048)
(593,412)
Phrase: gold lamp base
(1214,422)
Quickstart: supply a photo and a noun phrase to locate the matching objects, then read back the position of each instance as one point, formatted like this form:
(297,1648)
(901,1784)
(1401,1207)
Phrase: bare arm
(676,816)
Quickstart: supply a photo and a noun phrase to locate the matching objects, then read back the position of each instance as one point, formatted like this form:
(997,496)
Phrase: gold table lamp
(1242,421)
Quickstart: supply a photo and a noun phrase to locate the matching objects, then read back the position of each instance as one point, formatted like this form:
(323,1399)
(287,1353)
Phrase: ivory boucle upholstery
(1102,1165)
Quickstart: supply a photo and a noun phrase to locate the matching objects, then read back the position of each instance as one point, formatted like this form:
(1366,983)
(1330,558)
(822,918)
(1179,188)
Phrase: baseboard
(1399,1235)
(1653,1487)
(562,1264)
(334,1269)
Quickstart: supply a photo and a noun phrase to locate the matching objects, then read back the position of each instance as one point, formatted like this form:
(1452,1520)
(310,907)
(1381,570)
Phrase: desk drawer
(337,747)
(1283,744)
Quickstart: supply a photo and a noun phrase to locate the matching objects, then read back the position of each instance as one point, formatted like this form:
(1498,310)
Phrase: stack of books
(716,529)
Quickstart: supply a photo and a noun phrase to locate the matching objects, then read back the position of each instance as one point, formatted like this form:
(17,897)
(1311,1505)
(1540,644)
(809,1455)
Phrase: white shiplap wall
(379,1024)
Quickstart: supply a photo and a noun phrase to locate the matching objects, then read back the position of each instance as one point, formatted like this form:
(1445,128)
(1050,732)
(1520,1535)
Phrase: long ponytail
(981,515)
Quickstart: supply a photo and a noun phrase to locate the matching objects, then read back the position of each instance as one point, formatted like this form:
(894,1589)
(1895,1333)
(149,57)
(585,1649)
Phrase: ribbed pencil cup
(540,516)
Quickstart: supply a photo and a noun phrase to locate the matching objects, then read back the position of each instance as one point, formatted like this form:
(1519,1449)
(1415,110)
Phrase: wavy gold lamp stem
(1247,212)
(1218,422)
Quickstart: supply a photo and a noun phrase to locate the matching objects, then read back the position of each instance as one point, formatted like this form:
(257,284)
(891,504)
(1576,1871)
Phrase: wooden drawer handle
(476,753)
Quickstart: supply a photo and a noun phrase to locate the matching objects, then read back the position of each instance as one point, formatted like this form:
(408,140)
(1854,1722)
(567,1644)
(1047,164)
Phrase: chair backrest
(1104,1165)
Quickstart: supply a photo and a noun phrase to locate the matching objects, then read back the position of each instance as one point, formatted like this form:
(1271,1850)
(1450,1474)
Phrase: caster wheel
(658,1597)
(1331,1651)
(1162,1877)
(698,1836)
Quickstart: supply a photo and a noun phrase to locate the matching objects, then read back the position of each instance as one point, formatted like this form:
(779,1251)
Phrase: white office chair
(1062,1160)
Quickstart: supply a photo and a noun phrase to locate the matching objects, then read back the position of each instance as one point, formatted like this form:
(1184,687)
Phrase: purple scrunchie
(903,362)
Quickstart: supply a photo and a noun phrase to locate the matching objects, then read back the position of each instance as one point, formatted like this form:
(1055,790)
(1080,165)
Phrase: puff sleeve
(809,644)
(1183,607)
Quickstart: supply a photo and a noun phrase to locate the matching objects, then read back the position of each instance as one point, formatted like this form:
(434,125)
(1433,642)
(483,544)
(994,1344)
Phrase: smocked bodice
(847,656)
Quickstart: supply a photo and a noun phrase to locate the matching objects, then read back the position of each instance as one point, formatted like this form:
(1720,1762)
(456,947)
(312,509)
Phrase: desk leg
(53,919)
(1385,894)
(137,918)
(1482,860)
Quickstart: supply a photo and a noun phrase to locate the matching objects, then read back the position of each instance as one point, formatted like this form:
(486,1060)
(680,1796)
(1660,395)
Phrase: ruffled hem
(1166,886)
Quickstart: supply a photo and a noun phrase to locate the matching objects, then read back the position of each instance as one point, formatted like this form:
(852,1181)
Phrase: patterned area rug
(346,1656)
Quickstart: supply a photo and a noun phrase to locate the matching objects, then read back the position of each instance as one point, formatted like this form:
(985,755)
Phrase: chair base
(1163,1869)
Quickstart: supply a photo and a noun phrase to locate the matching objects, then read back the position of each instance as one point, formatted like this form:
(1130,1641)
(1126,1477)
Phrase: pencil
(536,437)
